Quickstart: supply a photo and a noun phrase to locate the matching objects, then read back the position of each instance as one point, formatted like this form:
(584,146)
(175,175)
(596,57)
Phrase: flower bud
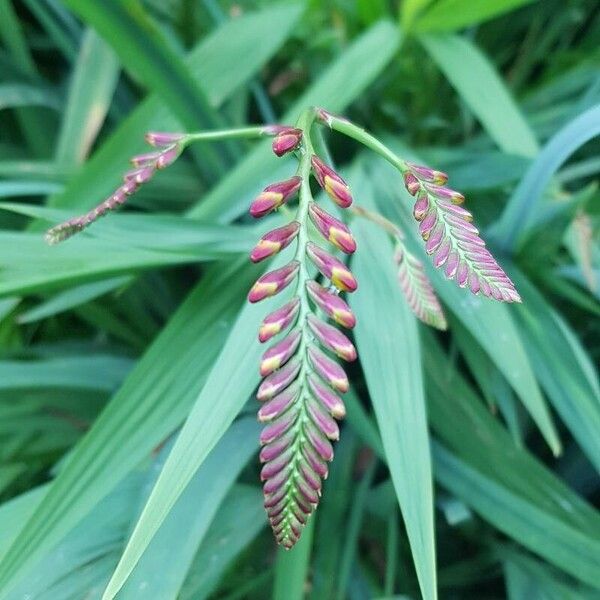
(427,174)
(445,193)
(322,419)
(332,268)
(286,140)
(328,369)
(159,139)
(278,405)
(279,380)
(139,176)
(332,229)
(332,338)
(274,241)
(412,183)
(273,282)
(143,160)
(331,304)
(331,182)
(320,443)
(421,206)
(273,196)
(280,353)
(328,398)
(168,156)
(278,320)
(278,427)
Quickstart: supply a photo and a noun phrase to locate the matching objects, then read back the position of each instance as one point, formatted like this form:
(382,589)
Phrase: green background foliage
(468,463)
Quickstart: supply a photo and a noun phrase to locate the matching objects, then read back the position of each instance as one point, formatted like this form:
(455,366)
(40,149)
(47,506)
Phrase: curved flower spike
(287,140)
(145,167)
(273,282)
(331,304)
(331,182)
(274,195)
(332,338)
(332,268)
(332,229)
(274,241)
(452,239)
(279,320)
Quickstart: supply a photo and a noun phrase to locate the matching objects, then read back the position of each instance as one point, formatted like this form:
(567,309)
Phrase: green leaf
(504,484)
(125,243)
(145,54)
(484,92)
(521,211)
(489,322)
(13,95)
(92,85)
(152,402)
(71,298)
(237,522)
(205,425)
(562,366)
(341,83)
(385,331)
(162,569)
(99,372)
(221,62)
(448,15)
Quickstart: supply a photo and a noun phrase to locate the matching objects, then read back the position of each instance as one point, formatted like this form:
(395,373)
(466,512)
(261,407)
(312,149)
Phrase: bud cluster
(451,238)
(168,147)
(301,380)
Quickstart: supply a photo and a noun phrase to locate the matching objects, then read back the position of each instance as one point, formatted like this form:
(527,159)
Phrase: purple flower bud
(278,405)
(274,467)
(318,465)
(280,353)
(274,449)
(435,238)
(322,420)
(279,320)
(143,160)
(332,268)
(330,400)
(427,174)
(445,193)
(328,369)
(421,206)
(273,282)
(273,196)
(168,156)
(411,183)
(310,477)
(278,381)
(441,254)
(331,182)
(275,483)
(158,139)
(129,187)
(331,304)
(139,176)
(332,338)
(319,442)
(332,229)
(274,241)
(286,140)
(428,223)
(278,427)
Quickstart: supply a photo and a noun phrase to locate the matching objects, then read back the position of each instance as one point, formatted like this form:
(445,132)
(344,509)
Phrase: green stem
(360,135)
(255,131)
(306,151)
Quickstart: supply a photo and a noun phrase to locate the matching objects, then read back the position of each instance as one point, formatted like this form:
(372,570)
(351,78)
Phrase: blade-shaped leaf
(389,349)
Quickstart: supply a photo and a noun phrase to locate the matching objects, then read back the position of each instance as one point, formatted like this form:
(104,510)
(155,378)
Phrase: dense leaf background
(468,464)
